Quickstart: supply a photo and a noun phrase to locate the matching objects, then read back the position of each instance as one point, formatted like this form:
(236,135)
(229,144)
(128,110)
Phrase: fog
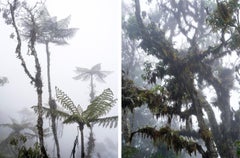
(96,41)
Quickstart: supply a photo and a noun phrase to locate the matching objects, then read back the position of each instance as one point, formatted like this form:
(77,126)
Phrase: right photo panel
(180,79)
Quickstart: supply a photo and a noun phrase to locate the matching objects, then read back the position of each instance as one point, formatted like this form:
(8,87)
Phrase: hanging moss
(172,139)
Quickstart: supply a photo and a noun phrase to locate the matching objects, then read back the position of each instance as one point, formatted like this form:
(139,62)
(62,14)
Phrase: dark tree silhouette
(11,15)
(184,69)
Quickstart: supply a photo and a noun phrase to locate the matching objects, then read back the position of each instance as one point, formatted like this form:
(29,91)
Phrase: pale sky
(97,41)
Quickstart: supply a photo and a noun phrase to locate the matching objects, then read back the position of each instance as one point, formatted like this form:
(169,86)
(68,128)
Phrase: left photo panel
(60,78)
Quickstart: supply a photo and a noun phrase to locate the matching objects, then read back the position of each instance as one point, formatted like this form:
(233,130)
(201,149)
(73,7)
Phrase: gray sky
(97,41)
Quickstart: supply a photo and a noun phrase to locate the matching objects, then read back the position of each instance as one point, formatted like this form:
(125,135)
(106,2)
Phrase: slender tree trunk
(91,140)
(40,123)
(223,138)
(48,71)
(204,132)
(38,85)
(52,102)
(37,79)
(92,95)
(91,144)
(81,127)
(126,127)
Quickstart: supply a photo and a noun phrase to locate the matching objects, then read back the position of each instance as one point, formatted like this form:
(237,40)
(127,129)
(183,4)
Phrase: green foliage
(18,143)
(128,151)
(71,113)
(223,15)
(133,97)
(188,52)
(170,137)
(235,40)
(110,122)
(100,106)
(164,152)
(67,103)
(2,155)
(225,18)
(237,144)
(157,99)
(132,28)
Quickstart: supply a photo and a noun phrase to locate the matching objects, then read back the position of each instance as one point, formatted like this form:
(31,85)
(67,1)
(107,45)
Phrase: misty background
(96,41)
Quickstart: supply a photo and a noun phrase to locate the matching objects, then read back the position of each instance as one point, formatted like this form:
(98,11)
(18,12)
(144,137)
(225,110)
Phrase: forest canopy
(191,71)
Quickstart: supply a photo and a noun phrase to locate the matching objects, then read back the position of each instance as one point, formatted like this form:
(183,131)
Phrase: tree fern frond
(100,75)
(73,119)
(60,36)
(65,33)
(47,112)
(59,41)
(63,23)
(100,105)
(96,67)
(107,122)
(48,28)
(81,70)
(95,71)
(34,132)
(84,76)
(47,132)
(17,127)
(61,113)
(14,121)
(66,102)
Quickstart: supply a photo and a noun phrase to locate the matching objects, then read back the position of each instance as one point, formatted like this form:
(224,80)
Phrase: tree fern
(100,105)
(86,74)
(75,114)
(16,126)
(60,113)
(106,122)
(66,102)
(49,30)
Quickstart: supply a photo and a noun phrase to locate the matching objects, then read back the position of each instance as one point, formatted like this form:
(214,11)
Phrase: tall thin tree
(51,30)
(24,13)
(86,74)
